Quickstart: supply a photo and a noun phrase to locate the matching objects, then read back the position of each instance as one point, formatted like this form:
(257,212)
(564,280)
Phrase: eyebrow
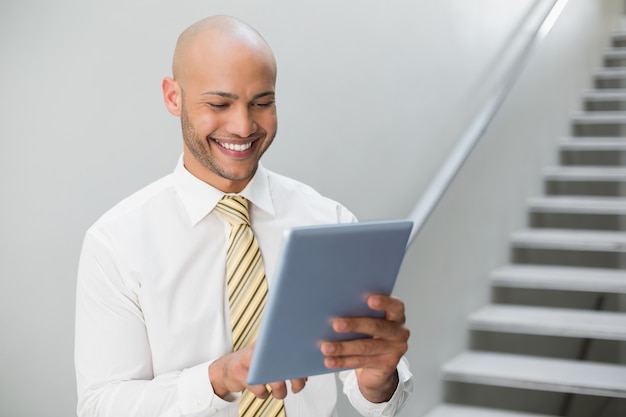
(235,96)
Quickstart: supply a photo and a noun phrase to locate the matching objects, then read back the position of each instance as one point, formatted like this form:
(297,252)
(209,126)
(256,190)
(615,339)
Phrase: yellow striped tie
(247,292)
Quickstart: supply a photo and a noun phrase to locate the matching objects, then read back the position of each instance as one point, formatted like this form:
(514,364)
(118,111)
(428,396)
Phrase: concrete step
(537,373)
(618,36)
(599,122)
(590,140)
(615,53)
(607,144)
(610,144)
(569,239)
(550,321)
(615,57)
(560,278)
(585,174)
(607,99)
(452,410)
(610,77)
(577,212)
(616,73)
(599,118)
(578,205)
(584,151)
(607,94)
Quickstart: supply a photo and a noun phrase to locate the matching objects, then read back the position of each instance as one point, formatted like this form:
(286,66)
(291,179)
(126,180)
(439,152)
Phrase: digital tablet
(323,272)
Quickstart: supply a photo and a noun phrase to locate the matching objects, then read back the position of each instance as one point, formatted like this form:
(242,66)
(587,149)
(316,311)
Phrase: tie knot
(234,208)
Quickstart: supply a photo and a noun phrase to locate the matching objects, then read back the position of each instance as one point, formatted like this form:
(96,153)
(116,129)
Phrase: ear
(172,96)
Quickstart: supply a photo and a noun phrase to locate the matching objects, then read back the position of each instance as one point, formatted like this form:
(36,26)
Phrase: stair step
(452,410)
(599,117)
(585,173)
(610,73)
(615,53)
(605,144)
(607,94)
(568,239)
(550,321)
(591,139)
(538,373)
(561,278)
(619,35)
(578,205)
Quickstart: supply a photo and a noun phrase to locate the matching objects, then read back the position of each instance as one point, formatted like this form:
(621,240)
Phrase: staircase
(553,343)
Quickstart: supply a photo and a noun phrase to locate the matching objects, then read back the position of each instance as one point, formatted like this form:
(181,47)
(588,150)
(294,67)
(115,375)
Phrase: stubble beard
(199,148)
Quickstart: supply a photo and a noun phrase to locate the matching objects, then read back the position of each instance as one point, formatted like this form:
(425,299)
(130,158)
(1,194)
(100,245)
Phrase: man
(153,330)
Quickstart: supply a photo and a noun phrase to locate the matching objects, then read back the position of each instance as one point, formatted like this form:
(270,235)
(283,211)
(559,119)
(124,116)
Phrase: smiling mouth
(238,147)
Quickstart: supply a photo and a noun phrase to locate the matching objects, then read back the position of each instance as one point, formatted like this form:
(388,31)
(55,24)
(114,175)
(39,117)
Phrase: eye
(218,106)
(263,104)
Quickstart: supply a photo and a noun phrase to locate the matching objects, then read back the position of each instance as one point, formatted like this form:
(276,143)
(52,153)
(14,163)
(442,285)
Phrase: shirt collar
(200,198)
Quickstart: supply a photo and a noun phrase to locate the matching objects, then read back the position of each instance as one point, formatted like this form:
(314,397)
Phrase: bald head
(215,36)
(223,90)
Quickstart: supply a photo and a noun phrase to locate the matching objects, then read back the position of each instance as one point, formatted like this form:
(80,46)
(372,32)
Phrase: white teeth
(236,147)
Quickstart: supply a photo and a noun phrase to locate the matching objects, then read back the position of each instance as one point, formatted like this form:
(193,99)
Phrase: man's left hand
(375,358)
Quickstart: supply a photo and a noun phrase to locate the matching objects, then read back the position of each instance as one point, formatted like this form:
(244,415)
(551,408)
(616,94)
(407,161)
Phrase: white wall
(371,96)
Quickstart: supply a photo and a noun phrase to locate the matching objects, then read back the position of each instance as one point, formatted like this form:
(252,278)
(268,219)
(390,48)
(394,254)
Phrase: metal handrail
(452,165)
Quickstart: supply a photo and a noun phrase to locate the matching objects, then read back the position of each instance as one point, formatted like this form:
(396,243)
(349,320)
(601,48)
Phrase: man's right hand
(229,373)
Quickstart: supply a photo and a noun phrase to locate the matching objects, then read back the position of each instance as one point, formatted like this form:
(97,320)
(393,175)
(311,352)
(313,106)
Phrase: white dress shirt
(152,308)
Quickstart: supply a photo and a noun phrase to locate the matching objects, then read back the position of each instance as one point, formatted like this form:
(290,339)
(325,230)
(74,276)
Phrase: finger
(297,385)
(393,307)
(259,391)
(384,363)
(360,347)
(278,390)
(377,328)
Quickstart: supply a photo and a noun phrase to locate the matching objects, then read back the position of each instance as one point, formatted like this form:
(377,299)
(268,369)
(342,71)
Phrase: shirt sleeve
(386,409)
(112,351)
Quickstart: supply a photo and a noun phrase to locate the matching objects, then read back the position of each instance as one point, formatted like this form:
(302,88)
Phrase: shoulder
(283,183)
(137,205)
(297,197)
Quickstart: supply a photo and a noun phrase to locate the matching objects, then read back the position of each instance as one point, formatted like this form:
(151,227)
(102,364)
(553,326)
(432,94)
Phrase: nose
(241,122)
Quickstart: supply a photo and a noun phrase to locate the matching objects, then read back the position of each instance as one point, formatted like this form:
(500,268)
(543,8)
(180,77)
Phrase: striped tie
(247,292)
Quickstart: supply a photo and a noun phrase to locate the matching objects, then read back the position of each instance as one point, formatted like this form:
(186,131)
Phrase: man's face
(228,116)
